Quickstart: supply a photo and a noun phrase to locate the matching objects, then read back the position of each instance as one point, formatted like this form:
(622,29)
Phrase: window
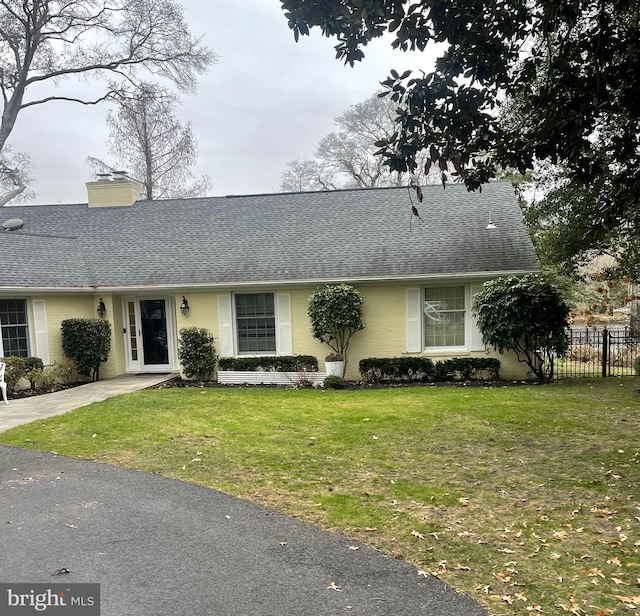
(13,322)
(444,311)
(256,323)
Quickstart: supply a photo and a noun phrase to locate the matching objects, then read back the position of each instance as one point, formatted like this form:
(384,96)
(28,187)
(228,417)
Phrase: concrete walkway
(25,410)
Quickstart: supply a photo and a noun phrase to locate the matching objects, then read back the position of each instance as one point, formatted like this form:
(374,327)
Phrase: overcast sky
(267,101)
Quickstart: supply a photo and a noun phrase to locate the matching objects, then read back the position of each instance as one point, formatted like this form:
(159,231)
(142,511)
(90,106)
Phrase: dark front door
(155,346)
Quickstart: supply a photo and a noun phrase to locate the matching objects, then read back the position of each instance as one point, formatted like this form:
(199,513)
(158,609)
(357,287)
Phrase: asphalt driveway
(159,546)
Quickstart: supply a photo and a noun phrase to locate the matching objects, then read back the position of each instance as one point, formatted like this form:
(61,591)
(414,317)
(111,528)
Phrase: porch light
(184,306)
(102,309)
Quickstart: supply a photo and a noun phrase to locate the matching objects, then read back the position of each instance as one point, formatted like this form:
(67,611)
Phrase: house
(245,267)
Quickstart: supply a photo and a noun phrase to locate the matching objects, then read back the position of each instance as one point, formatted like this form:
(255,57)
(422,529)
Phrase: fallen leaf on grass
(504,598)
(417,535)
(630,602)
(502,577)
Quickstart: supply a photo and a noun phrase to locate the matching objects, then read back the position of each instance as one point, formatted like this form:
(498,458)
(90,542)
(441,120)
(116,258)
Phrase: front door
(149,342)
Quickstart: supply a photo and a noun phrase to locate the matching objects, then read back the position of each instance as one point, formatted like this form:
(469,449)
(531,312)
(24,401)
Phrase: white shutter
(284,343)
(476,334)
(225,326)
(414,320)
(41,336)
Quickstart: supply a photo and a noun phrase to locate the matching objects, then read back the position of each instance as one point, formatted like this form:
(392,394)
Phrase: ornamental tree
(526,315)
(335,312)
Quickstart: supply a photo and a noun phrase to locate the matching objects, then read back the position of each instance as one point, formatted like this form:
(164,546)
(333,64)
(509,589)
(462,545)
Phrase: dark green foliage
(397,370)
(282,363)
(334,382)
(197,353)
(335,312)
(33,366)
(467,369)
(522,81)
(88,343)
(423,370)
(526,315)
(15,369)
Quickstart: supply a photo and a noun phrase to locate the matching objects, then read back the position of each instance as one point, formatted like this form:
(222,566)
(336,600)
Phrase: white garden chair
(3,384)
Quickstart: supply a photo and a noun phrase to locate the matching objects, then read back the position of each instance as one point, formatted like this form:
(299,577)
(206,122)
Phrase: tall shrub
(197,353)
(88,343)
(526,315)
(335,312)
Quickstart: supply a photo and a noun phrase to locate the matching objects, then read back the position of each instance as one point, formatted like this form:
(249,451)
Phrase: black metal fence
(600,352)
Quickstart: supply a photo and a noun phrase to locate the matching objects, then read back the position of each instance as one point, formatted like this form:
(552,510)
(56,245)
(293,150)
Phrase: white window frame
(27,325)
(228,325)
(237,318)
(465,311)
(415,320)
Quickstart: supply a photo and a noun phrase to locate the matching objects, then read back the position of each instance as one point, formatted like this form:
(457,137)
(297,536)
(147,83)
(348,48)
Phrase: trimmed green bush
(467,369)
(271,363)
(197,353)
(15,370)
(423,370)
(527,315)
(638,366)
(88,343)
(396,370)
(334,382)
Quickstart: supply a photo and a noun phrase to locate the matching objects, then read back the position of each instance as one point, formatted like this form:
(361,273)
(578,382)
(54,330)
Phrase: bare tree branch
(53,41)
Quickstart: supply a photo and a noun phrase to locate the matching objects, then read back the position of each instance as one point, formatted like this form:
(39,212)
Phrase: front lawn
(526,498)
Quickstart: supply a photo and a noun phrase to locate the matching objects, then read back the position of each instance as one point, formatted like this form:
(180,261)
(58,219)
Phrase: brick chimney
(113,190)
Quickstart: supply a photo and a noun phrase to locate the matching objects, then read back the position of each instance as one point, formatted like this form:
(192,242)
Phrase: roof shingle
(292,237)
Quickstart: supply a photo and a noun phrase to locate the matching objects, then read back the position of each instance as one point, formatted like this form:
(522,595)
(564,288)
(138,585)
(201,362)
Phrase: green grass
(526,498)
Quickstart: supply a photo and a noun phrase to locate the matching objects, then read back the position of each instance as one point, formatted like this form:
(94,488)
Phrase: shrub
(396,369)
(15,370)
(33,365)
(526,315)
(197,353)
(87,342)
(422,369)
(271,363)
(334,382)
(66,371)
(467,369)
(44,378)
(335,312)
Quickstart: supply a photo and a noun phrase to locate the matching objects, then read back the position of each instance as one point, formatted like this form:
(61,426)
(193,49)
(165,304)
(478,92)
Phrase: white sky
(267,101)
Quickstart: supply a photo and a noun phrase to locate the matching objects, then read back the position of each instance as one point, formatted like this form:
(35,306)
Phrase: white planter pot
(334,368)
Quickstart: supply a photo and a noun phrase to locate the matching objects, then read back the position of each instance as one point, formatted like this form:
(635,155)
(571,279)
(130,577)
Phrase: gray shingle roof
(316,236)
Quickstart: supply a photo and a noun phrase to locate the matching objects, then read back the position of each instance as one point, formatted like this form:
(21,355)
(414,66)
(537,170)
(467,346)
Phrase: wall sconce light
(491,225)
(102,309)
(184,306)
